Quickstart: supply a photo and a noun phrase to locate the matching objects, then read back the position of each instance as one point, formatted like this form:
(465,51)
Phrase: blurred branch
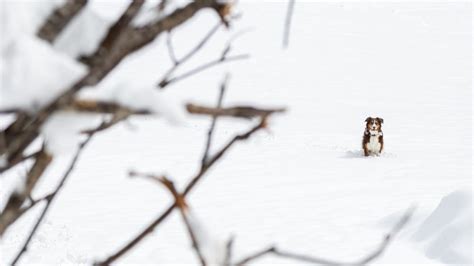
(94,106)
(228,253)
(213,122)
(203,170)
(177,62)
(246,112)
(59,19)
(16,199)
(224,57)
(49,199)
(289,14)
(388,238)
(114,33)
(310,259)
(180,202)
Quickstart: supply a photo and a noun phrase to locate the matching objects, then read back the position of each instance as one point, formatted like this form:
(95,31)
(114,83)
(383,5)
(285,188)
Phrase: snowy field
(303,184)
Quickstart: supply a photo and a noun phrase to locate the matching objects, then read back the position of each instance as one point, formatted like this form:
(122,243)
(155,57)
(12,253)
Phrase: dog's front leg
(366,151)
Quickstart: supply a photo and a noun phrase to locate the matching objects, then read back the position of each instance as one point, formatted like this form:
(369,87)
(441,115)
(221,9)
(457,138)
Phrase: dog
(372,141)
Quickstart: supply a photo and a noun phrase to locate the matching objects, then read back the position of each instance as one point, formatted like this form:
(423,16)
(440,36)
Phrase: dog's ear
(380,120)
(368,119)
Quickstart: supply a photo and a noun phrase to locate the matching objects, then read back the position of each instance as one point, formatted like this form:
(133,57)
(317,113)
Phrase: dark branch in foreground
(311,259)
(50,198)
(59,19)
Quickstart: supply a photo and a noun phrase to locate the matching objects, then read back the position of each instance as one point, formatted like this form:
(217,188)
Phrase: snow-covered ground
(303,184)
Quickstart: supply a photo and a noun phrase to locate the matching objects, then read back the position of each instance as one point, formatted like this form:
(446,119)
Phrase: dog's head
(373,124)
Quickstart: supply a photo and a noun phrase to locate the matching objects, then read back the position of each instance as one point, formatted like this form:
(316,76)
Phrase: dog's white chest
(374,144)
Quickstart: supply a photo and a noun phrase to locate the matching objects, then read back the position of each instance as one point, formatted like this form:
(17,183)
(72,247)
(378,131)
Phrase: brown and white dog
(372,142)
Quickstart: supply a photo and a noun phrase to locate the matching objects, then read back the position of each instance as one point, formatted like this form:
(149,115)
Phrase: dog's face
(373,124)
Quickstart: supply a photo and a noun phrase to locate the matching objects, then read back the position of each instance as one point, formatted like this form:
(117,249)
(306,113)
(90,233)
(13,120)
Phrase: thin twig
(311,259)
(221,60)
(214,120)
(50,199)
(228,253)
(180,202)
(171,52)
(289,14)
(388,237)
(177,62)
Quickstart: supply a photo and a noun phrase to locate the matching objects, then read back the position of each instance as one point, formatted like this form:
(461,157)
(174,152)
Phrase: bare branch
(311,259)
(180,202)
(213,122)
(177,62)
(289,14)
(149,229)
(16,199)
(228,253)
(388,237)
(171,52)
(93,106)
(247,112)
(59,19)
(50,198)
(116,118)
(224,57)
(165,82)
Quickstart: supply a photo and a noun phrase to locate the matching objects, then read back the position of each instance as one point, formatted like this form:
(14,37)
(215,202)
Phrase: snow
(33,74)
(304,184)
(447,232)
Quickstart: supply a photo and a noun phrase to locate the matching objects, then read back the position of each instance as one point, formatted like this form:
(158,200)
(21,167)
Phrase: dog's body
(372,141)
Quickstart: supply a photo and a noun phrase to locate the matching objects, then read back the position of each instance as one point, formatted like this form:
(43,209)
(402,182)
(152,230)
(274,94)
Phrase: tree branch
(311,259)
(59,19)
(289,14)
(180,202)
(50,198)
(16,199)
(210,64)
(213,122)
(246,112)
(149,229)
(177,62)
(114,33)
